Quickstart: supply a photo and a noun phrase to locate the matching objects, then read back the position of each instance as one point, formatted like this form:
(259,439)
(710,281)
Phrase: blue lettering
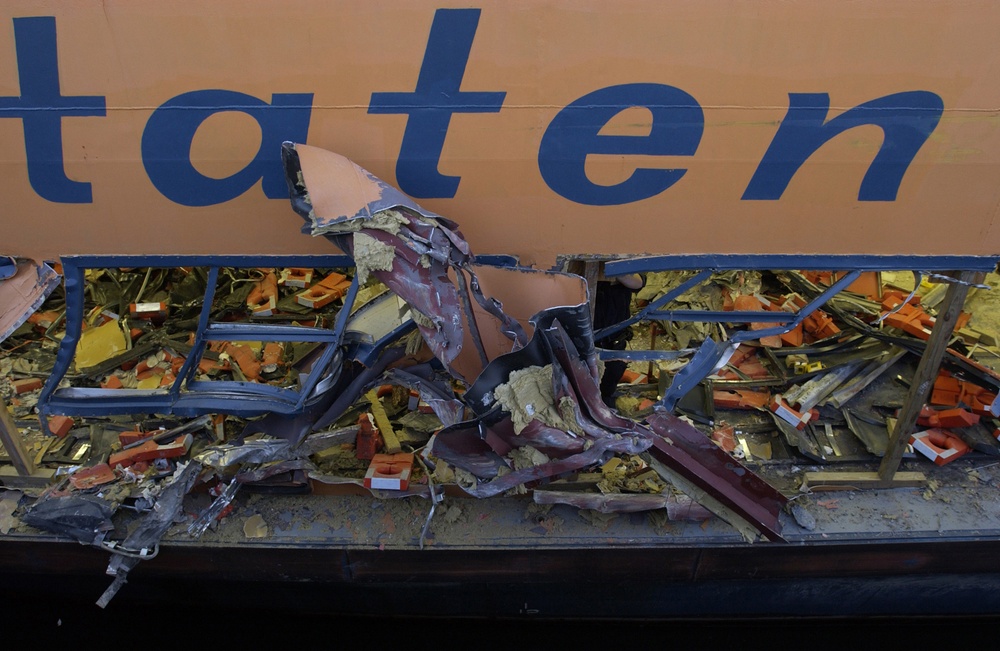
(906,120)
(676,130)
(41,108)
(166,144)
(431,105)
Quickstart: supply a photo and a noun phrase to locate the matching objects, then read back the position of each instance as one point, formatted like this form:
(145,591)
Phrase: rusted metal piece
(470,317)
(692,455)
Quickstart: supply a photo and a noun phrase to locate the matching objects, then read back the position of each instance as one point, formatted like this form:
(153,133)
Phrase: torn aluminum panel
(24,285)
(419,255)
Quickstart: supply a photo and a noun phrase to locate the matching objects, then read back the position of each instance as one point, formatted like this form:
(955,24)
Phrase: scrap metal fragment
(324,440)
(143,541)
(866,376)
(259,474)
(677,507)
(809,394)
(82,517)
(210,514)
(869,429)
(799,439)
(438,395)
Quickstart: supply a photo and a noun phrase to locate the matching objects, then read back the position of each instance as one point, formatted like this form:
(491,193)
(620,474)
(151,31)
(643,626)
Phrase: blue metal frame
(186,396)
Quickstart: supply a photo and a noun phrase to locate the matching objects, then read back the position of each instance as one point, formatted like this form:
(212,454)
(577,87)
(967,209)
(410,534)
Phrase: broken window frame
(712,354)
(187,396)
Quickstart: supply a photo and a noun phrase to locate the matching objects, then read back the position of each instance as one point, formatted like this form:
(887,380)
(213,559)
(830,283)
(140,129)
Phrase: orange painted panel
(137,81)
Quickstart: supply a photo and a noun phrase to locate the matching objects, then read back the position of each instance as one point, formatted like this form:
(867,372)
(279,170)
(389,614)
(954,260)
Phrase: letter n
(906,119)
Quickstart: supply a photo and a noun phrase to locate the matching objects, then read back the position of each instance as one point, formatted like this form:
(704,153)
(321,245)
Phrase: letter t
(42,107)
(432,104)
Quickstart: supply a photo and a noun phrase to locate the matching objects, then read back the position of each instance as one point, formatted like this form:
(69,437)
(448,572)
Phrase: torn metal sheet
(24,285)
(869,429)
(338,199)
(251,451)
(322,440)
(144,539)
(431,263)
(268,470)
(82,517)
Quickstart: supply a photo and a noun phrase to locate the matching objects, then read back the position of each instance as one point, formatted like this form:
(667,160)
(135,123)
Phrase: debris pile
(832,384)
(417,372)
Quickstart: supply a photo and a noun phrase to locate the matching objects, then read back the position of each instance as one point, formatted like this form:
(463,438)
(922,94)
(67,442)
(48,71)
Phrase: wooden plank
(844,480)
(10,436)
(927,372)
(382,421)
(40,478)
